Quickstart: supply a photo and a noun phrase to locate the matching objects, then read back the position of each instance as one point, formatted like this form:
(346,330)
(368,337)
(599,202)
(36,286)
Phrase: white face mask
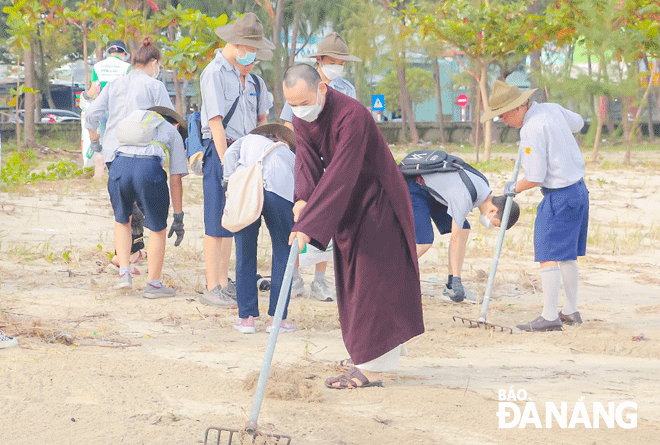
(332,71)
(486,222)
(308,113)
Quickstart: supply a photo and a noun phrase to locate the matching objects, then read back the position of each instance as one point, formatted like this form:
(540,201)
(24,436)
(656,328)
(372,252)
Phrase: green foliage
(19,169)
(418,81)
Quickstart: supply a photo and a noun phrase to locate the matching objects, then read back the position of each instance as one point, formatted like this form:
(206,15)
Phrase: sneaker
(245,325)
(570,319)
(158,291)
(216,297)
(540,324)
(285,326)
(321,291)
(125,281)
(230,289)
(6,341)
(297,287)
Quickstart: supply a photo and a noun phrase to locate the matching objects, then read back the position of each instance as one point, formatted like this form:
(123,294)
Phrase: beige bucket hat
(334,46)
(247,30)
(505,97)
(278,130)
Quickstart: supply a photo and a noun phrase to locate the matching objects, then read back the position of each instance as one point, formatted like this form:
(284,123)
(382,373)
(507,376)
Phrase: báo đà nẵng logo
(516,410)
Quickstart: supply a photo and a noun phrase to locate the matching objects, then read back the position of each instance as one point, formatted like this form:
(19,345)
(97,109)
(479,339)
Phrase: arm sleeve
(287,113)
(178,160)
(212,88)
(96,110)
(265,104)
(329,200)
(533,142)
(308,167)
(232,155)
(575,121)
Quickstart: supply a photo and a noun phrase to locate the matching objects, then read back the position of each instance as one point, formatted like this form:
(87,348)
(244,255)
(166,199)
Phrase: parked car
(48,116)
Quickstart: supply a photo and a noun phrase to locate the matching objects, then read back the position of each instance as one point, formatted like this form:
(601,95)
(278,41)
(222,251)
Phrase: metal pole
(272,340)
(500,241)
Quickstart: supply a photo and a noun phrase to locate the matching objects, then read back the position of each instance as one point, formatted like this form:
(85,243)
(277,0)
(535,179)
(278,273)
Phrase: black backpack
(422,162)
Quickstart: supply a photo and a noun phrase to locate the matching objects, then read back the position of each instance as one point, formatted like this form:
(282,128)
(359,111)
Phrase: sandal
(346,363)
(346,380)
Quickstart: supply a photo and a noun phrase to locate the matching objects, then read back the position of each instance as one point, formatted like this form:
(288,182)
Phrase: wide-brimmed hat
(505,97)
(334,46)
(173,116)
(247,30)
(280,131)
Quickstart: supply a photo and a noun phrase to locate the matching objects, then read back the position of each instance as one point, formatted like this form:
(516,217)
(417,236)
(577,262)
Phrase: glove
(457,292)
(96,146)
(177,227)
(510,189)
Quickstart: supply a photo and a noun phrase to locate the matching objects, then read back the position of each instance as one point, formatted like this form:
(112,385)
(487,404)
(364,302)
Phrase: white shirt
(455,194)
(135,91)
(551,155)
(220,85)
(164,135)
(276,168)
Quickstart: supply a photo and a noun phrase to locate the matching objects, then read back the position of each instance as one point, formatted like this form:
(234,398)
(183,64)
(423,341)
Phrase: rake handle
(251,426)
(500,241)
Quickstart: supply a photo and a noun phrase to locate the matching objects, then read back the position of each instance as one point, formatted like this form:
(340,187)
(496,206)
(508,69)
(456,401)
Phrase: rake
(481,322)
(251,434)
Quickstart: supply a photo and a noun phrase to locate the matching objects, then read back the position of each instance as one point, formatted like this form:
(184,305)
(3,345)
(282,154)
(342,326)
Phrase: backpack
(422,162)
(245,195)
(138,128)
(194,141)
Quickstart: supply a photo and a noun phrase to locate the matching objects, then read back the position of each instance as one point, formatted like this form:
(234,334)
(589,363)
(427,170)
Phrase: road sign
(462,100)
(377,102)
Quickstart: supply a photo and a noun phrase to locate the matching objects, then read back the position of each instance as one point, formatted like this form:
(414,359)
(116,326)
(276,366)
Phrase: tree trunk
(278,69)
(649,113)
(406,107)
(44,84)
(30,99)
(599,128)
(294,31)
(475,122)
(19,146)
(438,97)
(86,57)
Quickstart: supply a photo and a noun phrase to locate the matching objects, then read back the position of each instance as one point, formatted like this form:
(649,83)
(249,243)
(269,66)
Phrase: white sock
(551,281)
(319,276)
(569,276)
(123,270)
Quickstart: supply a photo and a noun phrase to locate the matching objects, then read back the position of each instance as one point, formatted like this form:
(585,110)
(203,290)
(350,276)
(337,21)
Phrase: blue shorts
(427,208)
(214,194)
(141,180)
(562,218)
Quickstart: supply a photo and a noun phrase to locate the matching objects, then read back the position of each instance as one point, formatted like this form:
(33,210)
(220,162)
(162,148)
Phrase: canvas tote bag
(245,195)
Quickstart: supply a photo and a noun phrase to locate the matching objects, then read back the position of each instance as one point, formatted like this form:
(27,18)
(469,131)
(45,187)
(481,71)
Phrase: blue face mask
(248,59)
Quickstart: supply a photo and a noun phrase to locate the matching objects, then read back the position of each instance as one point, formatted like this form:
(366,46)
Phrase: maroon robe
(357,196)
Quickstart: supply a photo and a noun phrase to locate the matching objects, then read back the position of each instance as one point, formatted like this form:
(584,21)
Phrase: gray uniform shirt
(339,84)
(134,91)
(220,85)
(455,195)
(165,136)
(276,168)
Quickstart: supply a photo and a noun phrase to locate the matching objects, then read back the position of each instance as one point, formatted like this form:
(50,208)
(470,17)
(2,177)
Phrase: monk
(348,188)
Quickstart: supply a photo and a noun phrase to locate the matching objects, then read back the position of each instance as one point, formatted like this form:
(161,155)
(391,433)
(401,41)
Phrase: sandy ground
(98,366)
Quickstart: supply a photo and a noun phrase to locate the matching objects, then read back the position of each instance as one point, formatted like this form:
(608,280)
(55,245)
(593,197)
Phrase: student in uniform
(330,58)
(277,169)
(446,200)
(137,174)
(552,161)
(233,104)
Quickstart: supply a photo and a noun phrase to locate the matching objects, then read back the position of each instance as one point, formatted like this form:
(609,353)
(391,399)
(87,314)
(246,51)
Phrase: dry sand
(98,366)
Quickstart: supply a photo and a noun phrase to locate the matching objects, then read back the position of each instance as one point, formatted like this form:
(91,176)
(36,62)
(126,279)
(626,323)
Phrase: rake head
(482,324)
(231,436)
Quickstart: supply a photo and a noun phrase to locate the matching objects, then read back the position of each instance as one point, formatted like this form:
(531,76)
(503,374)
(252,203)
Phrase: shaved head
(302,71)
